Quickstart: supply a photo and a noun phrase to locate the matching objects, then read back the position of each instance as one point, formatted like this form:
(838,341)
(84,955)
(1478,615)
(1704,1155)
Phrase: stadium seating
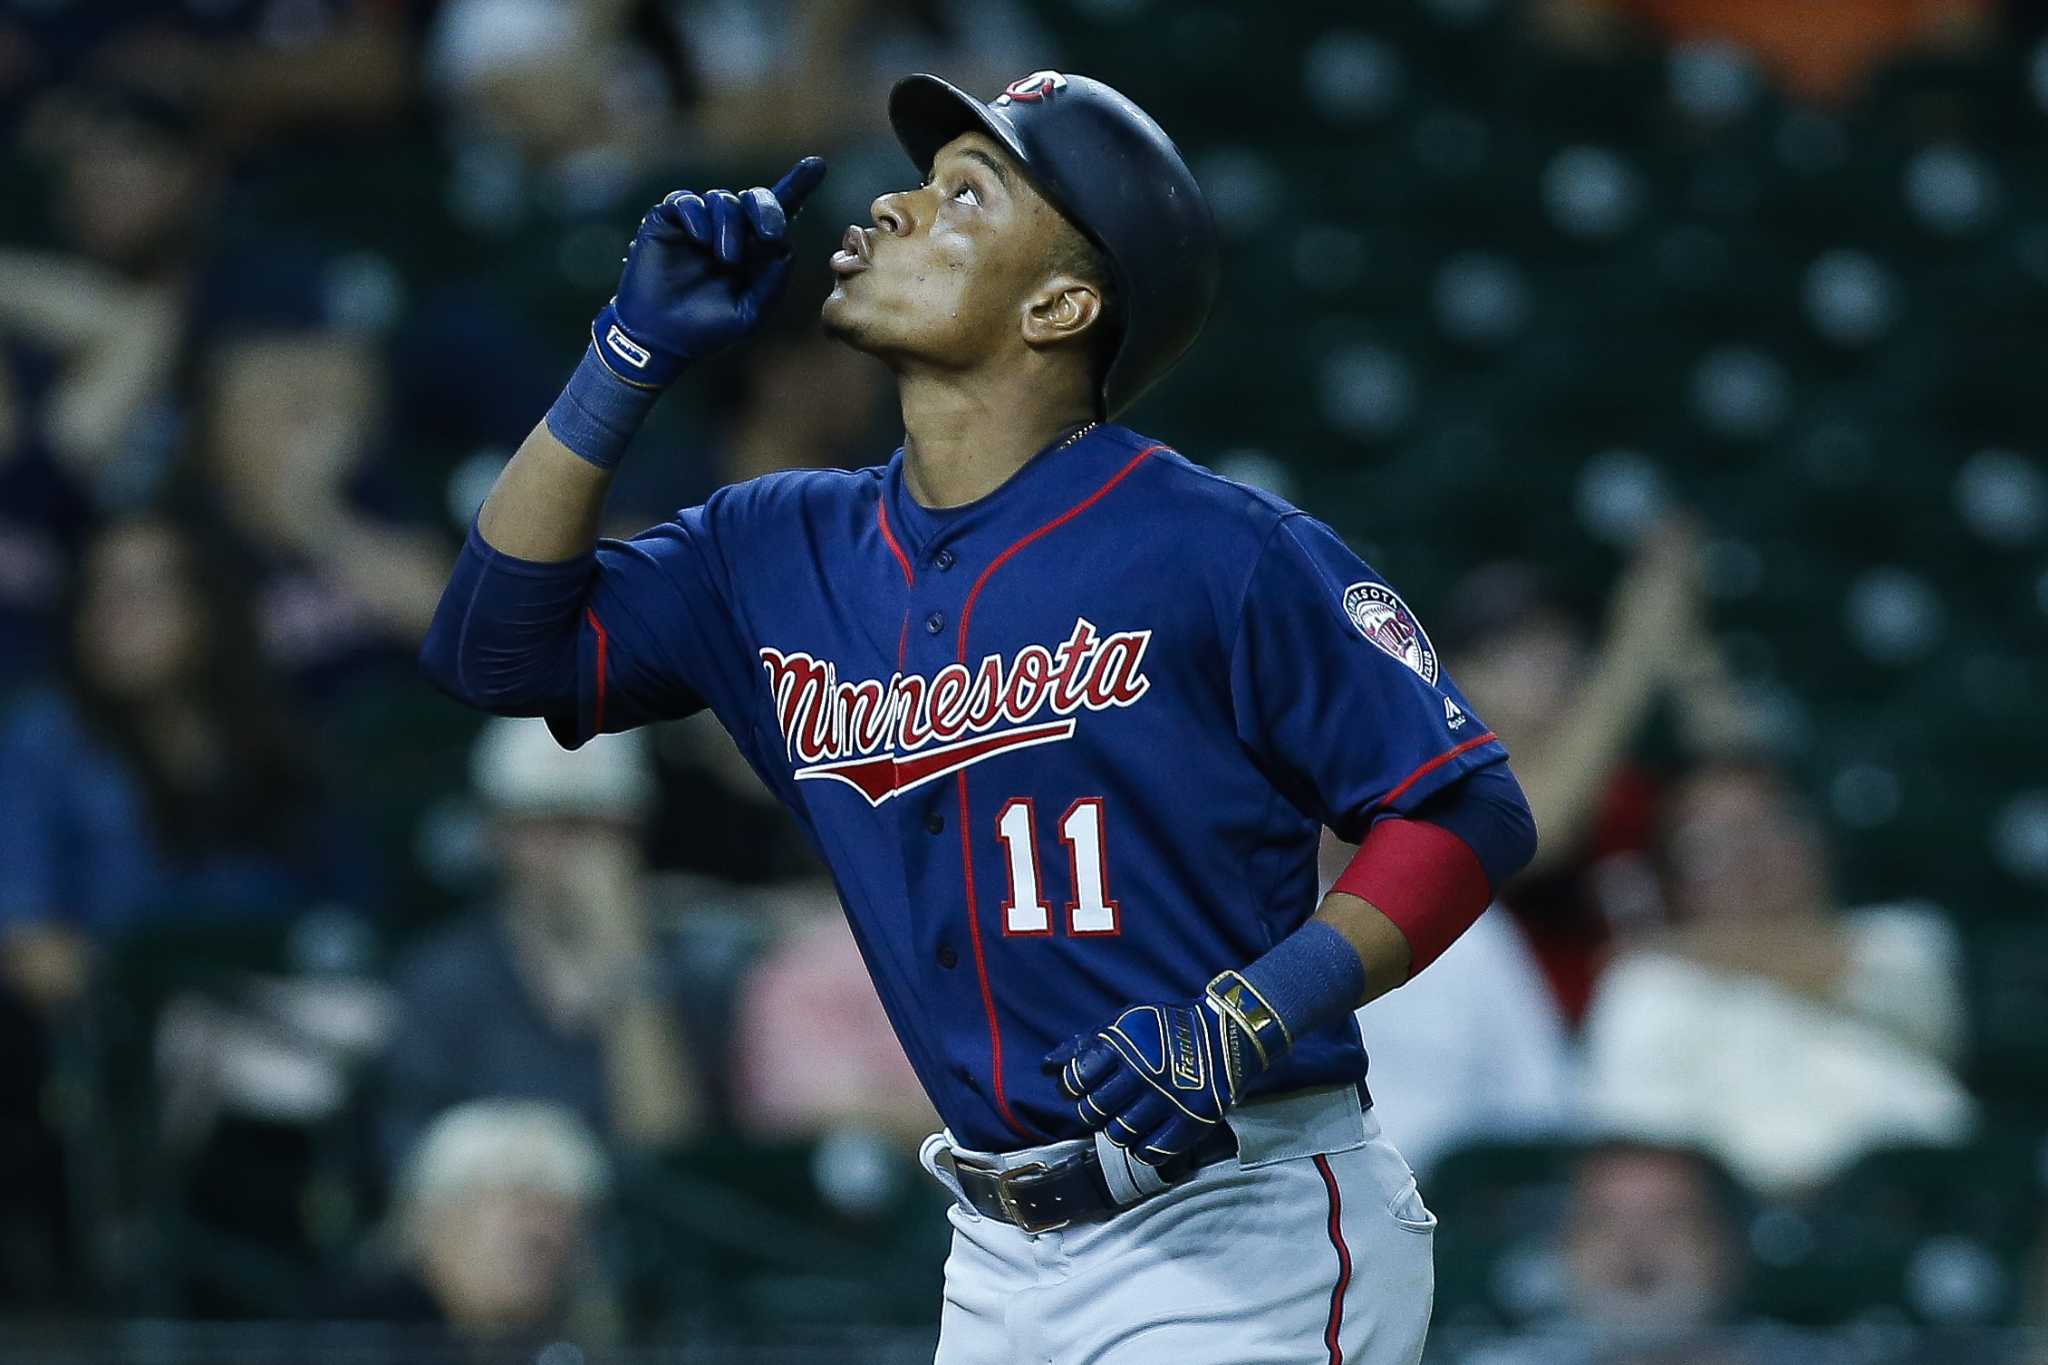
(1484,298)
(1468,257)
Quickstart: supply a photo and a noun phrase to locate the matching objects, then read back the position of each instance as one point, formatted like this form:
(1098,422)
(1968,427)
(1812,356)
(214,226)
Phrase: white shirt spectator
(1473,1049)
(1786,1088)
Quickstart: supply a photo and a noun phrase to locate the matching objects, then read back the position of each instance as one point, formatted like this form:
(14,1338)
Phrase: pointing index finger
(796,186)
(764,214)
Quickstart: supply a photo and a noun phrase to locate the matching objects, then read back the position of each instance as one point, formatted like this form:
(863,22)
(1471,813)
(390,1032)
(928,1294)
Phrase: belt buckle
(1007,1197)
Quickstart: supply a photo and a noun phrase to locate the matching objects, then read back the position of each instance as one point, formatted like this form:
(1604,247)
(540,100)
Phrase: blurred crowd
(321,999)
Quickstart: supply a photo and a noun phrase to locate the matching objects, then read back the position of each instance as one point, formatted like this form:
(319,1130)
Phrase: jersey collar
(1046,485)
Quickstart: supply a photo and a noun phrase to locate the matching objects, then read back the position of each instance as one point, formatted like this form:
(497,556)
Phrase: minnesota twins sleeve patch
(1383,618)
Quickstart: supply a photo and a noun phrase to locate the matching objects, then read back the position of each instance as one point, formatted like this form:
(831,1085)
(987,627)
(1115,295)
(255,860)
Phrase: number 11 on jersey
(1027,911)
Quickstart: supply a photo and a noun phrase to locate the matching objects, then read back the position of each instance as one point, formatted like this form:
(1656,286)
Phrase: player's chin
(846,320)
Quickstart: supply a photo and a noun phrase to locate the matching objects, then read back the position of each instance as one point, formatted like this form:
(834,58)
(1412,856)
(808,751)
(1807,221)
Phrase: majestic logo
(883,739)
(1454,715)
(1383,618)
(1032,88)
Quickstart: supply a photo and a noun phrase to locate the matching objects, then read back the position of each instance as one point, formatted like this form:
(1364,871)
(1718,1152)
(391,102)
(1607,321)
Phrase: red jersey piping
(988,999)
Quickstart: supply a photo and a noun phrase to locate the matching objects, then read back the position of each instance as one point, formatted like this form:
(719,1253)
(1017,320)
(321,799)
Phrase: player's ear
(1060,310)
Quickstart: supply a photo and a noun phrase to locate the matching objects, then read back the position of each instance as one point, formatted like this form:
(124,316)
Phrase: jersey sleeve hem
(1438,773)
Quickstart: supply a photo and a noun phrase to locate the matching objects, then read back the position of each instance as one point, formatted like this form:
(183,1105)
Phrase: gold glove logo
(1246,1015)
(1245,1006)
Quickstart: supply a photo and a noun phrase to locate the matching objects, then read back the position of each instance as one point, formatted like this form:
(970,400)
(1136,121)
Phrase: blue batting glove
(1157,1078)
(700,273)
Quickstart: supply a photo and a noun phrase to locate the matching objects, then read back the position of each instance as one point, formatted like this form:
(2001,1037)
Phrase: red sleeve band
(1424,878)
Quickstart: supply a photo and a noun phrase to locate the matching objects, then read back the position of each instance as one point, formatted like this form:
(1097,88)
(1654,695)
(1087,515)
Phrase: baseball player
(1064,713)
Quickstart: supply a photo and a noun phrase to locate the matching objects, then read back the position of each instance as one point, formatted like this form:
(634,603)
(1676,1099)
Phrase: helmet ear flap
(1108,348)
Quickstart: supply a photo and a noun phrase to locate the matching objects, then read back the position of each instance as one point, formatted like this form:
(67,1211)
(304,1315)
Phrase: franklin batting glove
(1160,1076)
(700,273)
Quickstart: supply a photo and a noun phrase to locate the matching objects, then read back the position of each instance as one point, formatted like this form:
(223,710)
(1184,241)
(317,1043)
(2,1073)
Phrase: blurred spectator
(289,422)
(101,318)
(494,1225)
(43,517)
(813,1049)
(793,399)
(559,992)
(167,150)
(1652,1254)
(715,818)
(1474,1049)
(1819,51)
(165,774)
(1643,1265)
(257,69)
(564,104)
(806,401)
(160,778)
(790,76)
(89,334)
(1570,710)
(1763,1025)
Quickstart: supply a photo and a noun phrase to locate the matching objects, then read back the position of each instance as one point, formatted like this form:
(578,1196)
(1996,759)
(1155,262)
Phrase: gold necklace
(1077,435)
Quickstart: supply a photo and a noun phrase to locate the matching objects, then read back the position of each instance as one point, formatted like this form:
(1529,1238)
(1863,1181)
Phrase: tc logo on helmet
(1036,86)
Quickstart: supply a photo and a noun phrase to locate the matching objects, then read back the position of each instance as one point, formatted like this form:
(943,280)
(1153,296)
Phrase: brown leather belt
(1041,1196)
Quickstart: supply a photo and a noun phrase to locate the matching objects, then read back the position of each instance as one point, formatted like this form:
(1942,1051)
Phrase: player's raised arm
(700,272)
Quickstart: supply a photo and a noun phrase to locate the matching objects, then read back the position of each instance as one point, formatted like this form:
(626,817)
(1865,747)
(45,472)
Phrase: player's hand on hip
(1157,1078)
(700,273)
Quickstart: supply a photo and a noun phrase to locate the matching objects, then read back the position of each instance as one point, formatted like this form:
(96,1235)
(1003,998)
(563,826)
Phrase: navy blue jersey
(1066,748)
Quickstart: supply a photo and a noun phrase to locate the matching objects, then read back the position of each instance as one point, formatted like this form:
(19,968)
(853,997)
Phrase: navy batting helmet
(1117,176)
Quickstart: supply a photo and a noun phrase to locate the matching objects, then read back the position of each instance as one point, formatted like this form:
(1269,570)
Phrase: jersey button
(935,823)
(947,957)
(934,623)
(943,560)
